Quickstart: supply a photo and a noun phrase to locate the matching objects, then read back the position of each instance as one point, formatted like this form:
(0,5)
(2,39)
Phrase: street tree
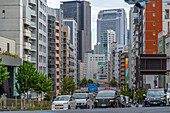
(90,81)
(3,73)
(84,82)
(25,77)
(68,85)
(113,83)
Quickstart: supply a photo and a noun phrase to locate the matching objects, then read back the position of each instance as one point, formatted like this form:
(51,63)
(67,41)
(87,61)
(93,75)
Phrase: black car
(107,98)
(155,97)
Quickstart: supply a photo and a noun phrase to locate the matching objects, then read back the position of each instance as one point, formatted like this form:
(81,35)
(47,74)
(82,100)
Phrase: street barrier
(24,104)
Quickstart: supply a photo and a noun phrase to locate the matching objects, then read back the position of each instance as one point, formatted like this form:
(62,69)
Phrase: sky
(96,6)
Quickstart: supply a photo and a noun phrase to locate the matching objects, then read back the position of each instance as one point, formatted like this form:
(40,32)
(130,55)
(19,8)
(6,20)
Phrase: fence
(21,104)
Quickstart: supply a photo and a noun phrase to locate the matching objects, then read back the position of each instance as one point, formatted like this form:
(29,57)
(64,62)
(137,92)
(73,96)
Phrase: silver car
(84,100)
(64,102)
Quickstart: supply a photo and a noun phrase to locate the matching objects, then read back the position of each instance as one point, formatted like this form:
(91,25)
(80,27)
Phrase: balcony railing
(33,35)
(32,1)
(33,47)
(33,12)
(33,24)
(33,59)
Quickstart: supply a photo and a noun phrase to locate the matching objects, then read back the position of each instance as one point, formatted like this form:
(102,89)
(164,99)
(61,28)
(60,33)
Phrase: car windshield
(155,93)
(106,94)
(79,96)
(62,98)
(127,99)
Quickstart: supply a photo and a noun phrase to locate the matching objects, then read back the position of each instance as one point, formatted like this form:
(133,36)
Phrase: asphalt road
(105,110)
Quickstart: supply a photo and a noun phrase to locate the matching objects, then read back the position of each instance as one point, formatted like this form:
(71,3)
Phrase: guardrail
(21,104)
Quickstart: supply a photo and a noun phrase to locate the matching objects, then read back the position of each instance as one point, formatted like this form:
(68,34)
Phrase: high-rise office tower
(113,19)
(80,11)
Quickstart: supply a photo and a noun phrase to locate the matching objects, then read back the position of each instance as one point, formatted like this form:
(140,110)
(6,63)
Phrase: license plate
(155,103)
(103,105)
(57,108)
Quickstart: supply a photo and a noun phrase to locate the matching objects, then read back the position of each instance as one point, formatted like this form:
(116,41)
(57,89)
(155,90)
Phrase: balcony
(27,45)
(33,59)
(27,21)
(122,73)
(57,41)
(32,2)
(57,27)
(27,58)
(33,48)
(57,48)
(57,62)
(58,70)
(33,24)
(27,33)
(57,55)
(122,57)
(33,13)
(33,36)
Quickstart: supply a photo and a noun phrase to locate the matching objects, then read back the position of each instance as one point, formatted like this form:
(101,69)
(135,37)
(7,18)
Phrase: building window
(153,4)
(153,33)
(166,13)
(8,48)
(153,14)
(154,43)
(153,23)
(3,14)
(154,52)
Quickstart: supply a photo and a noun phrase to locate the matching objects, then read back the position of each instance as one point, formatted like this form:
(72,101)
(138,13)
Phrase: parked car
(107,98)
(155,97)
(84,100)
(64,102)
(168,96)
(123,101)
(128,103)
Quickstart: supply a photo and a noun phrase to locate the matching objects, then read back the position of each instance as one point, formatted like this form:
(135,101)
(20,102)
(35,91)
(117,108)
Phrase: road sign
(101,63)
(92,87)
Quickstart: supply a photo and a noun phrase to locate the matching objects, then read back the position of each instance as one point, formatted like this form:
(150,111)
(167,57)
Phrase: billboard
(153,64)
(126,70)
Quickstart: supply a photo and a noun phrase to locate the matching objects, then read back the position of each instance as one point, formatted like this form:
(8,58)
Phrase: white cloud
(97,5)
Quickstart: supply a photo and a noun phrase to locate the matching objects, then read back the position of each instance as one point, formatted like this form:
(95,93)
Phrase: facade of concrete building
(167,16)
(66,44)
(80,70)
(12,64)
(74,42)
(71,62)
(52,46)
(133,40)
(59,18)
(123,69)
(42,44)
(116,50)
(167,51)
(80,11)
(91,64)
(153,25)
(7,45)
(114,19)
(11,23)
(107,38)
(97,48)
(161,50)
(30,24)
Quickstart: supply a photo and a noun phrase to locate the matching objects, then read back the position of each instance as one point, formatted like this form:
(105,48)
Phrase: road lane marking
(155,108)
(99,110)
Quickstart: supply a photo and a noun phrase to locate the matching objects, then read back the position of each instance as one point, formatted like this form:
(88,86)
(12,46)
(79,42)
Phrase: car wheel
(69,107)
